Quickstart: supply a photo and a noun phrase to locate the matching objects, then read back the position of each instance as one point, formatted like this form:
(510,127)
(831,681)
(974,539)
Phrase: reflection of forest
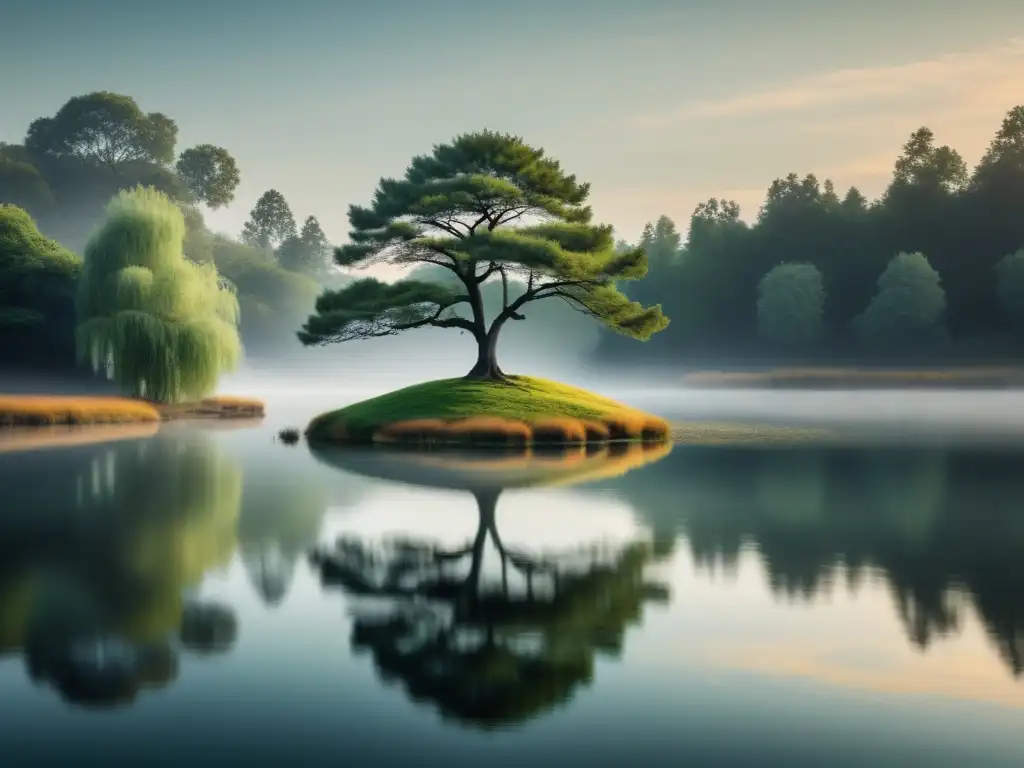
(491,651)
(937,524)
(102,544)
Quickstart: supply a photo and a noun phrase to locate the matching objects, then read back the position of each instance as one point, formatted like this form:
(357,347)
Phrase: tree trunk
(486,366)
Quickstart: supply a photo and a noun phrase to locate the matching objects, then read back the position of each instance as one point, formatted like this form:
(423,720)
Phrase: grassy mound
(518,412)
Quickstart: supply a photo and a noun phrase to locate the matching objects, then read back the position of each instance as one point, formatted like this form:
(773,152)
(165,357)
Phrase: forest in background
(932,271)
(66,170)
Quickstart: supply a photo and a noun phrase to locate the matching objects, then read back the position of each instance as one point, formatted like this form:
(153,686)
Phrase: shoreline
(42,411)
(831,378)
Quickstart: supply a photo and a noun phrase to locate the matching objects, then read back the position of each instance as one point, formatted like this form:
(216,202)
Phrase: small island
(514,412)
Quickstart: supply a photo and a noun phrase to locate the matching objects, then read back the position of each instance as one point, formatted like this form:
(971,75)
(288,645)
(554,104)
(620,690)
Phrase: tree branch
(491,269)
(442,226)
(511,312)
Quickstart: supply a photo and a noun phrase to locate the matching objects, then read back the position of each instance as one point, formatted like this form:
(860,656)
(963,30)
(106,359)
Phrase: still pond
(208,595)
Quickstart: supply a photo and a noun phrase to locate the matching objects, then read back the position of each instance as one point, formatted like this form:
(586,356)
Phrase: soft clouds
(974,80)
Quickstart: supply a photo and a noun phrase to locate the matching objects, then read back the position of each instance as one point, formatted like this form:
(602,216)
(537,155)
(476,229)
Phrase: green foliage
(908,307)
(96,145)
(1010,285)
(104,128)
(270,222)
(965,226)
(210,173)
(272,300)
(370,308)
(790,305)
(37,289)
(162,327)
(922,164)
(22,185)
(308,253)
(455,209)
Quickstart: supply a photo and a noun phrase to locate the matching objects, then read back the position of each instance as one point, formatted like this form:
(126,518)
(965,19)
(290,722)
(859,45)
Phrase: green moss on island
(519,410)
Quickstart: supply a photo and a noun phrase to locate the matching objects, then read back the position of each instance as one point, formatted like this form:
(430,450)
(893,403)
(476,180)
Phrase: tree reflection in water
(497,653)
(283,509)
(95,598)
(943,527)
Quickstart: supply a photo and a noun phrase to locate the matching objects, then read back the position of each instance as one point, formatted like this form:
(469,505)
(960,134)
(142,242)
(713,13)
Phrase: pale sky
(658,104)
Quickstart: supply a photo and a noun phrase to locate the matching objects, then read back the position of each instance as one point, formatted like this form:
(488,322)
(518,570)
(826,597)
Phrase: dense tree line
(932,269)
(56,183)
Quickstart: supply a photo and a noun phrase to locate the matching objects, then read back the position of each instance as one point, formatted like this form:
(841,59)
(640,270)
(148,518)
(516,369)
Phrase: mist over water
(319,379)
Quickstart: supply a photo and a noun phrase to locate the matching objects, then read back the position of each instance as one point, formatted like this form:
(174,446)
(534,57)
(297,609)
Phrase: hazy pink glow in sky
(659,105)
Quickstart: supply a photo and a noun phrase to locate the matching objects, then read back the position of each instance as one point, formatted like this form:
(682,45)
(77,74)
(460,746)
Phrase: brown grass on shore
(854,377)
(42,410)
(483,430)
(214,408)
(560,431)
(57,410)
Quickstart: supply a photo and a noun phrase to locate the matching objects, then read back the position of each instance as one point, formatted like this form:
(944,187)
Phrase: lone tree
(485,206)
(486,654)
(210,173)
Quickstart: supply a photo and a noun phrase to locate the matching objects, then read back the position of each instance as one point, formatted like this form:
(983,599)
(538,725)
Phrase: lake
(859,604)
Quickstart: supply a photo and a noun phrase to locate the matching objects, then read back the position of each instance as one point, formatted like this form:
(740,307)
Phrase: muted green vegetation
(921,275)
(790,303)
(38,280)
(64,173)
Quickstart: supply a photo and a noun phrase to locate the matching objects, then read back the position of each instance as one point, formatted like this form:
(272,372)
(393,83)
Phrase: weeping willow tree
(162,327)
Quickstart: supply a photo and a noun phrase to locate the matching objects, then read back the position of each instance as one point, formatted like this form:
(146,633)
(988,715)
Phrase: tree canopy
(210,173)
(37,288)
(790,303)
(485,206)
(908,307)
(307,253)
(160,326)
(70,164)
(270,222)
(104,128)
(963,221)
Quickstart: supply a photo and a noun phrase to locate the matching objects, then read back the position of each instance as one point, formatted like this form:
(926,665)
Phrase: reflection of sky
(726,672)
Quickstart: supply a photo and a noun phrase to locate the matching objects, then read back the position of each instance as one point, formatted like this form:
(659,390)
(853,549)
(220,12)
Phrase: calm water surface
(845,606)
